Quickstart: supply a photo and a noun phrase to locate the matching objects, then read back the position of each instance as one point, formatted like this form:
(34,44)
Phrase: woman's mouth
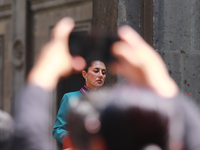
(99,81)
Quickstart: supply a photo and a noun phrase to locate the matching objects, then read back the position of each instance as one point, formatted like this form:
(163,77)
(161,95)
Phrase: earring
(86,79)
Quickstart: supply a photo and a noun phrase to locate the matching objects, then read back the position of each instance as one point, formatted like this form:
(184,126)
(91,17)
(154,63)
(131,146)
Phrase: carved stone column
(105,18)
(1,70)
(19,12)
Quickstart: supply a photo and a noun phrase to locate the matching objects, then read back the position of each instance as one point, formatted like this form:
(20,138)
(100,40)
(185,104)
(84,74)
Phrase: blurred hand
(141,64)
(55,60)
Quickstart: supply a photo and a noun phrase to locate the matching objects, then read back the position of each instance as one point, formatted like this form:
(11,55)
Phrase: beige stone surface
(7,66)
(5,25)
(40,1)
(5,30)
(45,20)
(2,27)
(5,2)
(5,9)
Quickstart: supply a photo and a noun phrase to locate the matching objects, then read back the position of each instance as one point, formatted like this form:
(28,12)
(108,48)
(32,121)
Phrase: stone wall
(46,16)
(5,57)
(176,38)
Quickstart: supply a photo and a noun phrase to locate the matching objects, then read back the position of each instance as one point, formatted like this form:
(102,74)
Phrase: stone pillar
(105,18)
(139,15)
(110,15)
(19,11)
(105,15)
(1,70)
(129,13)
(176,38)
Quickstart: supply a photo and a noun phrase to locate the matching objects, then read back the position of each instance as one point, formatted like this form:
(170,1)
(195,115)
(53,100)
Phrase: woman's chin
(99,85)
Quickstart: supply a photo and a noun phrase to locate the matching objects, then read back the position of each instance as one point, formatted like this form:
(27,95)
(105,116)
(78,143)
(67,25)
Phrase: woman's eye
(96,71)
(103,72)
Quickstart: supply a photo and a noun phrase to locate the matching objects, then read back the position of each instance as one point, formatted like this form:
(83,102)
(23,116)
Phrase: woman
(94,75)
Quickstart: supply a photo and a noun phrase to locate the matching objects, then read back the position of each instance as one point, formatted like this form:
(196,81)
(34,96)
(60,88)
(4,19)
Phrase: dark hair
(130,119)
(89,63)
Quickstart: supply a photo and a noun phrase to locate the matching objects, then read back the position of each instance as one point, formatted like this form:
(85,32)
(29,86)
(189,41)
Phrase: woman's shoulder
(75,93)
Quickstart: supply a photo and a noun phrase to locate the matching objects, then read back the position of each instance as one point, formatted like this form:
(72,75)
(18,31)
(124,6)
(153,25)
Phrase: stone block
(176,25)
(191,75)
(176,37)
(5,2)
(172,62)
(45,20)
(105,15)
(129,14)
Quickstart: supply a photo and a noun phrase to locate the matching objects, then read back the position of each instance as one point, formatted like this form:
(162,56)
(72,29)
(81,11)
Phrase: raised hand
(141,64)
(55,60)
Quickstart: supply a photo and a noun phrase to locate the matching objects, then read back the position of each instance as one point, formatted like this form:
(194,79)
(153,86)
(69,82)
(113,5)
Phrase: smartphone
(93,46)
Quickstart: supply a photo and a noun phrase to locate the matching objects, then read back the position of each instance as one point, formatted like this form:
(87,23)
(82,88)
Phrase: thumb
(78,63)
(63,29)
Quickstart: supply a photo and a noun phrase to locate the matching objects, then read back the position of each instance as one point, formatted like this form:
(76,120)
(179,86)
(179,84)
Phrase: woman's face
(95,75)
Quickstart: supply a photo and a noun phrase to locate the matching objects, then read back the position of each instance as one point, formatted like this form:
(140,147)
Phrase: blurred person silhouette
(94,75)
(126,117)
(137,62)
(6,130)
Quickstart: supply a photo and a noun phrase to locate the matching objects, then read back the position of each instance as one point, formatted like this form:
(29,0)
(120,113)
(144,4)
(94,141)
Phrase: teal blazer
(59,129)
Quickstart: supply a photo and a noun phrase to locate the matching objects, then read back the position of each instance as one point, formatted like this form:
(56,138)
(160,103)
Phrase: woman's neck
(90,88)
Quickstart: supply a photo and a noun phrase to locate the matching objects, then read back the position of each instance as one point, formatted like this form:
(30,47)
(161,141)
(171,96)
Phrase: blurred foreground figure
(6,130)
(141,66)
(129,118)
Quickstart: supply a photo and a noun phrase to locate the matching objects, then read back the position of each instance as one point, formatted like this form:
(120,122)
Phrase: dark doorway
(72,83)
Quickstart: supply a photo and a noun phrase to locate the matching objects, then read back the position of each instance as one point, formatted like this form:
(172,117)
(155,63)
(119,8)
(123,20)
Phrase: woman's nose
(100,74)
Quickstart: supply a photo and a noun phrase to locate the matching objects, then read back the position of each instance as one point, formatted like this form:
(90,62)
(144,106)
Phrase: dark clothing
(191,114)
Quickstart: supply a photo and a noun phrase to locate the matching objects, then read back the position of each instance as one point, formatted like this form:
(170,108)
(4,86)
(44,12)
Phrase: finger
(133,74)
(117,68)
(120,49)
(63,29)
(124,52)
(129,35)
(78,63)
(113,67)
(142,53)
